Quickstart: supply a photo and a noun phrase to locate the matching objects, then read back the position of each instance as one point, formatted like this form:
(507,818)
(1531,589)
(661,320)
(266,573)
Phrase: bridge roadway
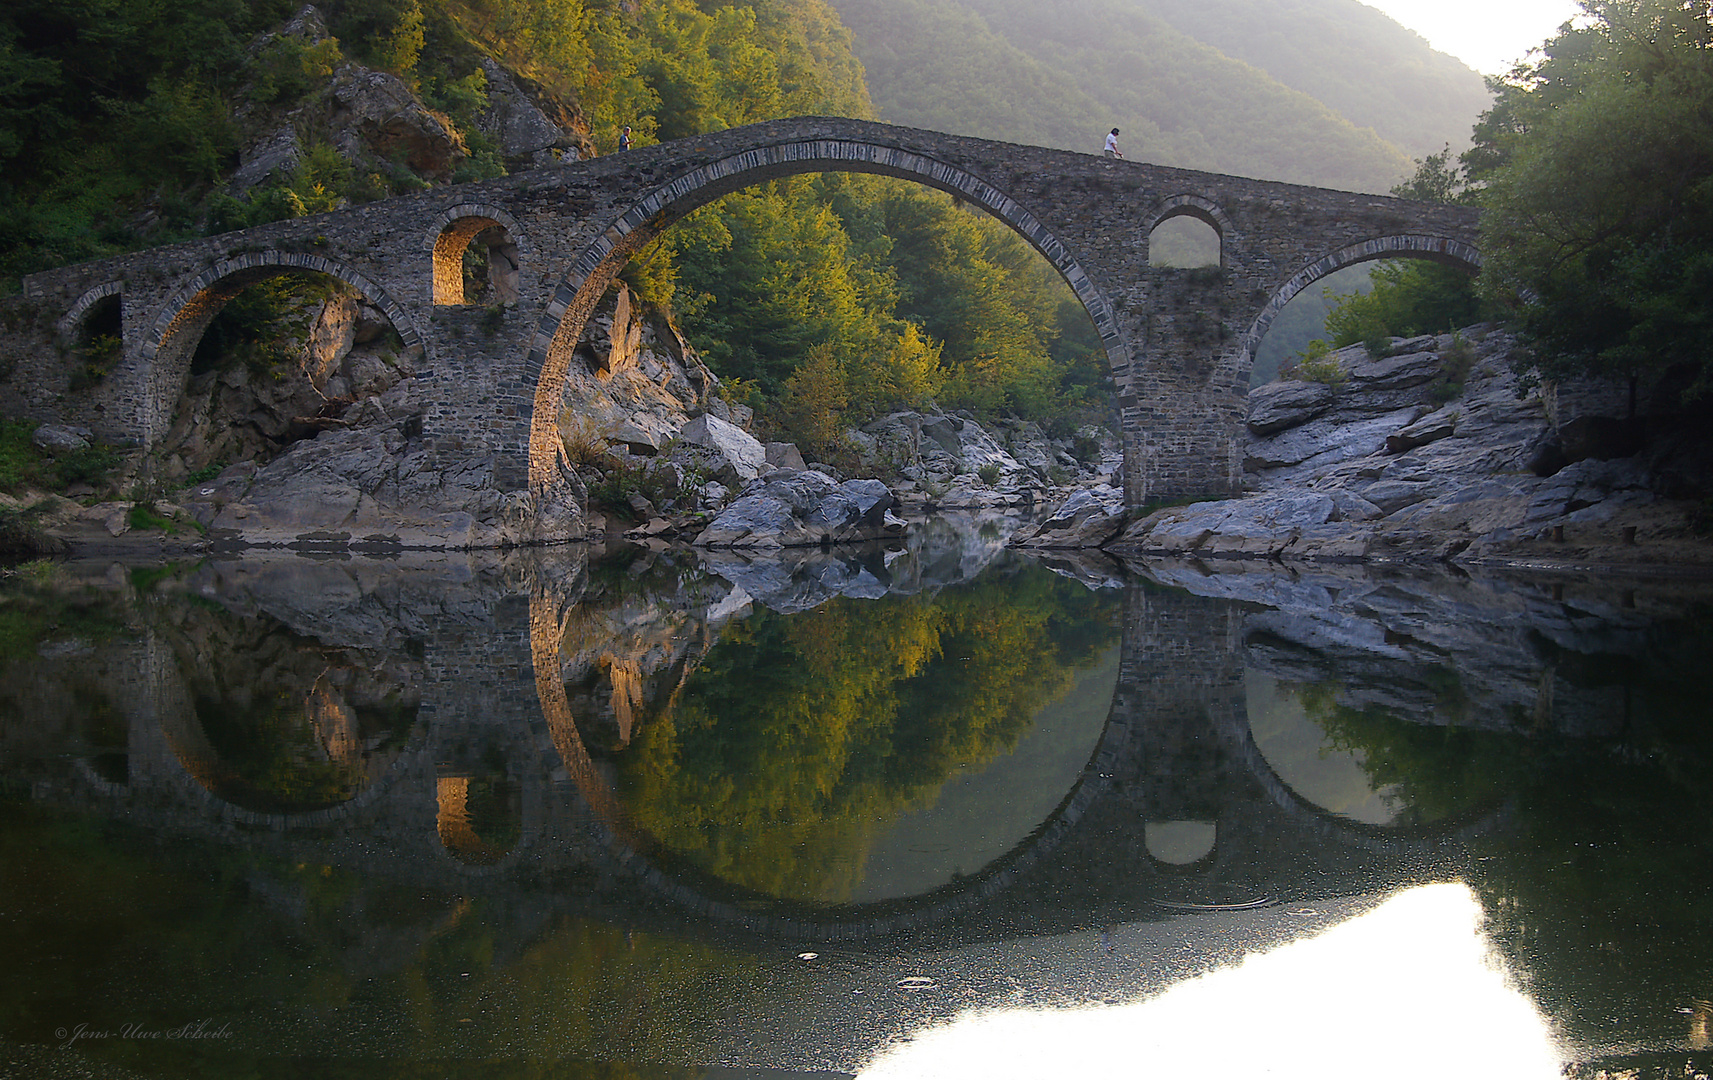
(1180,342)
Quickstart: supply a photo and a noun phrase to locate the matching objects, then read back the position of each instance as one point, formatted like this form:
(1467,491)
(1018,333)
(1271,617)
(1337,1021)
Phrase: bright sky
(1485,34)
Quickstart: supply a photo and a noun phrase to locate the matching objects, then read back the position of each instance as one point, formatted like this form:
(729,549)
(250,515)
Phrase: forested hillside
(1351,58)
(1281,91)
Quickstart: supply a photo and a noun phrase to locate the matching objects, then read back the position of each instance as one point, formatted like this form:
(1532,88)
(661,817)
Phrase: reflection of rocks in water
(632,639)
(939,551)
(1442,648)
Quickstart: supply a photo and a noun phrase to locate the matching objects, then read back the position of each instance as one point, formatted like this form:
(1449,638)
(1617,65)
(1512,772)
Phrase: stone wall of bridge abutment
(1179,342)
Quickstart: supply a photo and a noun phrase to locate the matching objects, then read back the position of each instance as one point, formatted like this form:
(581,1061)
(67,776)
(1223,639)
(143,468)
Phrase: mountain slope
(1350,57)
(1061,72)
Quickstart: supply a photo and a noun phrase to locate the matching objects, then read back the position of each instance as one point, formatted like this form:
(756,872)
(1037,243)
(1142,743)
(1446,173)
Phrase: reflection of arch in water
(1181,844)
(461,842)
(1234,732)
(727,903)
(189,759)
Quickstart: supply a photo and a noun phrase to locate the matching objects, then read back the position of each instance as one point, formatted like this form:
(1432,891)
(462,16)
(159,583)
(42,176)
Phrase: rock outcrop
(366,478)
(375,121)
(787,508)
(1428,453)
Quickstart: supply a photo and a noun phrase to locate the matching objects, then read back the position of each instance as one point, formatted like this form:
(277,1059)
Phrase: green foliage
(1315,364)
(97,357)
(1597,169)
(22,537)
(1303,319)
(262,326)
(106,105)
(989,473)
(399,50)
(1409,297)
(1436,180)
(288,68)
(914,298)
(1438,774)
(812,407)
(36,606)
(23,467)
(143,518)
(1457,361)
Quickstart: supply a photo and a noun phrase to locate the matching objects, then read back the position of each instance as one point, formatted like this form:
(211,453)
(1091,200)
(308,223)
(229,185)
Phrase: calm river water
(938,811)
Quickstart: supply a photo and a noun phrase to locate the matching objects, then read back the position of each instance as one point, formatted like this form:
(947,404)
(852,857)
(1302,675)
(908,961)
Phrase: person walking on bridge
(1111,150)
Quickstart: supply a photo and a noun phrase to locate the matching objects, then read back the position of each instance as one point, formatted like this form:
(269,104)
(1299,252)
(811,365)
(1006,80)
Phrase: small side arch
(1440,249)
(454,228)
(172,339)
(1199,208)
(68,326)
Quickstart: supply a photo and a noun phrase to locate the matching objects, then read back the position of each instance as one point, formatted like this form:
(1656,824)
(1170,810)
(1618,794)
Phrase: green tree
(813,405)
(1596,166)
(1436,180)
(1409,297)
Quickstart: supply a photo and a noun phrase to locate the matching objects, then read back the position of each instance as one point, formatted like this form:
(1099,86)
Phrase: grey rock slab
(1286,404)
(1089,518)
(788,508)
(1396,372)
(734,445)
(1325,442)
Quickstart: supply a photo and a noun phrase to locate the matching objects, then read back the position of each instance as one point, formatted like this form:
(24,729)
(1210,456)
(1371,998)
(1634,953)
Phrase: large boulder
(735,450)
(1089,518)
(1398,372)
(374,118)
(793,509)
(514,121)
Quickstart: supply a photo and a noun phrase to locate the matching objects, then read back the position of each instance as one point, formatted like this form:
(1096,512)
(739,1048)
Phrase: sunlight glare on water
(1410,989)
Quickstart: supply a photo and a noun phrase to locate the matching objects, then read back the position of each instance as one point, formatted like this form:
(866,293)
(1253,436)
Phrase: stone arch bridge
(1180,343)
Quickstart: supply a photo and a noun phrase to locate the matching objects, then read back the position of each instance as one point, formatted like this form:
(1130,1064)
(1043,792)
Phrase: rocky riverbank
(1434,452)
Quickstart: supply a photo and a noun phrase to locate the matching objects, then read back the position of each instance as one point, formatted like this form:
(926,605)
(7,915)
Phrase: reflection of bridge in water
(1175,759)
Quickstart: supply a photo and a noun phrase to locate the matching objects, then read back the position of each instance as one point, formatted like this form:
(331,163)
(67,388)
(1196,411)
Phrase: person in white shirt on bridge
(1112,144)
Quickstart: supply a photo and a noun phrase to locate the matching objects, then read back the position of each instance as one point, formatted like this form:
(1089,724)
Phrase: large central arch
(595,267)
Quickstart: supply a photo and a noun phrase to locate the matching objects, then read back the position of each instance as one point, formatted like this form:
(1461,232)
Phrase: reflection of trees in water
(1434,773)
(799,737)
